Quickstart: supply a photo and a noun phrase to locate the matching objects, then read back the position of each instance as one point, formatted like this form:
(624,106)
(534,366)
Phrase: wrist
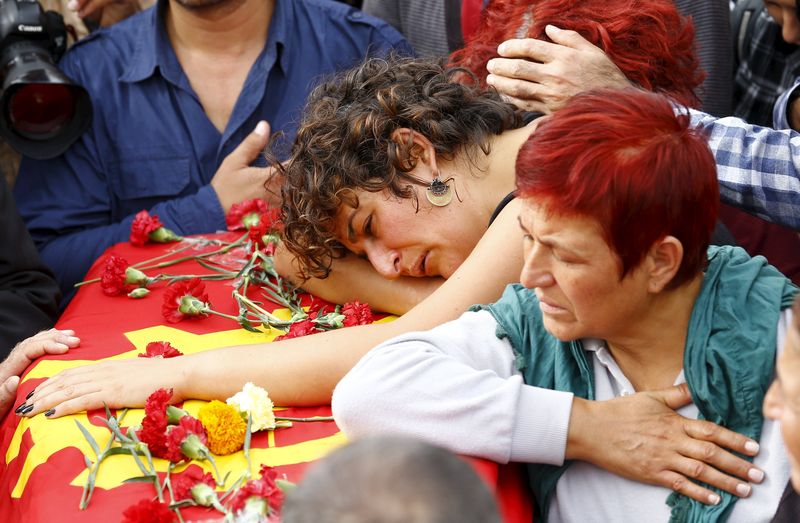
(580,432)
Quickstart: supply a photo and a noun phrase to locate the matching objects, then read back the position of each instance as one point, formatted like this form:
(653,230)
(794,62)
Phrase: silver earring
(439,192)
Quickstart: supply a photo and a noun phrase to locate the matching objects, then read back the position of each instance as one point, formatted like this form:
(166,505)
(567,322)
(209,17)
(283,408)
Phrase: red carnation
(154,424)
(264,489)
(143,224)
(112,280)
(356,313)
(183,299)
(246,214)
(188,439)
(160,349)
(148,511)
(183,483)
(299,328)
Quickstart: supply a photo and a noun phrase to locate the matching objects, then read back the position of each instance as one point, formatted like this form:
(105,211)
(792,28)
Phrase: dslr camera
(41,110)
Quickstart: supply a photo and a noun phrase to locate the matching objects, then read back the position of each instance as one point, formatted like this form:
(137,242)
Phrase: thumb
(252,146)
(8,393)
(569,38)
(673,397)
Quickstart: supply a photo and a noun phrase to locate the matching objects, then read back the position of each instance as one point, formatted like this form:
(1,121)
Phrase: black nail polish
(50,412)
(26,409)
(19,409)
(30,394)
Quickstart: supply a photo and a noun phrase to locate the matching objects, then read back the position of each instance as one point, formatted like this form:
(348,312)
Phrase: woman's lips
(549,307)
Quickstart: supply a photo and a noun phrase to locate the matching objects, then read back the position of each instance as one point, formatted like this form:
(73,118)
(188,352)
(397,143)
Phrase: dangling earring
(439,193)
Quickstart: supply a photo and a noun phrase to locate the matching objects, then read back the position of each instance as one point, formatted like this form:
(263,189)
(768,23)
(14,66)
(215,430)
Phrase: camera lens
(40,111)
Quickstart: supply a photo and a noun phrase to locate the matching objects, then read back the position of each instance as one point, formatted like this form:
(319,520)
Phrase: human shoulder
(112,45)
(343,15)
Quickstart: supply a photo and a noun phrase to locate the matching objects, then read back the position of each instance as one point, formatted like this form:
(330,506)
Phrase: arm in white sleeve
(454,386)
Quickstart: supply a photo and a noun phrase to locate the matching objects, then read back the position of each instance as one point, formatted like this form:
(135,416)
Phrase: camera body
(41,110)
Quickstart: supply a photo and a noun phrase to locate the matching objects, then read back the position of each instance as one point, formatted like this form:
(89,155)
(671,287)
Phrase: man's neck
(232,27)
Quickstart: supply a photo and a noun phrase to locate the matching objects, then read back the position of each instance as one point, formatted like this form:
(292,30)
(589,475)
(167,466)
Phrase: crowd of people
(617,208)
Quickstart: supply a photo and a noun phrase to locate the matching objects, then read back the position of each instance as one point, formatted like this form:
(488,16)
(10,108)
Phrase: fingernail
(501,48)
(30,394)
(557,30)
(490,79)
(261,128)
(26,409)
(755,475)
(490,64)
(50,412)
(19,409)
(713,499)
(743,490)
(72,5)
(751,446)
(73,339)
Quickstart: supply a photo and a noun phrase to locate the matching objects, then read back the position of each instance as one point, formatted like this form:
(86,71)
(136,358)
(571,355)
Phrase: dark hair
(344,142)
(390,480)
(624,158)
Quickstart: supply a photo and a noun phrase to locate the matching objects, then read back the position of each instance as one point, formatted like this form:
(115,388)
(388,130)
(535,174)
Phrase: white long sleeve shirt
(457,386)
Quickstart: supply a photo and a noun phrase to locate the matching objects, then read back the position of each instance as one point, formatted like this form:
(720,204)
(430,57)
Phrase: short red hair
(648,39)
(627,160)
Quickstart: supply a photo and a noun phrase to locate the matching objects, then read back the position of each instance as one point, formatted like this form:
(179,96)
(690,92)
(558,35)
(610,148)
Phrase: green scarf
(729,358)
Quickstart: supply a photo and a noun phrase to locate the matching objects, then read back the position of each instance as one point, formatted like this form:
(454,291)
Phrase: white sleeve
(455,386)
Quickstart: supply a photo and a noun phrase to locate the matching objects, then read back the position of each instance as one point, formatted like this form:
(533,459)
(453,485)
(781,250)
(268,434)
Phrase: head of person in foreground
(391,480)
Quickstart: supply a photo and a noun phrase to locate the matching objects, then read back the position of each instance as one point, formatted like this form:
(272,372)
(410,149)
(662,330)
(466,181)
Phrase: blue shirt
(151,145)
(758,168)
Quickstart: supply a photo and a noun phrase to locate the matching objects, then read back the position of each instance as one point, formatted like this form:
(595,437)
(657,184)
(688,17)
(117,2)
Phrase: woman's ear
(421,149)
(664,260)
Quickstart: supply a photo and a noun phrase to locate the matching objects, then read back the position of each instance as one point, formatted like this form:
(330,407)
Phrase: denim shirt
(151,145)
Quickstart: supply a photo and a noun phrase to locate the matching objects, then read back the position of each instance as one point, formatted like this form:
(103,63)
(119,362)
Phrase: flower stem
(305,420)
(222,314)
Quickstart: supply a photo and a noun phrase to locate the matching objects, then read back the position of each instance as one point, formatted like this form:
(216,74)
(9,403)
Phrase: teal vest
(729,358)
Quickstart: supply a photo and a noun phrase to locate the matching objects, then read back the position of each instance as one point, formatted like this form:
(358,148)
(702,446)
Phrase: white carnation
(254,403)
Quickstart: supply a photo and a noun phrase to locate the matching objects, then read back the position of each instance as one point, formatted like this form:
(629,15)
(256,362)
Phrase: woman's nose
(790,30)
(772,401)
(385,261)
(535,272)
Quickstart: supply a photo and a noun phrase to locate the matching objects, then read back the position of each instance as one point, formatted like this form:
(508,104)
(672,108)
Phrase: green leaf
(141,479)
(181,504)
(89,438)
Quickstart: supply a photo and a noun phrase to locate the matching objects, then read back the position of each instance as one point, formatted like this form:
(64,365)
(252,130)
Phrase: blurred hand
(236,181)
(644,439)
(52,341)
(104,12)
(542,76)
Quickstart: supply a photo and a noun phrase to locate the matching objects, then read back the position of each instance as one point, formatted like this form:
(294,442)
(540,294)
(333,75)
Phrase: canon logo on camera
(22,28)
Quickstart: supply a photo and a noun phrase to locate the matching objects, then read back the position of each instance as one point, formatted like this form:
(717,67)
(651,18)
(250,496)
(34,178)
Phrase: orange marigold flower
(224,426)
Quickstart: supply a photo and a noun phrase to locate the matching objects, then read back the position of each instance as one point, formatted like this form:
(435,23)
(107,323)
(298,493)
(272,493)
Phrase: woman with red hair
(620,293)
(648,42)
